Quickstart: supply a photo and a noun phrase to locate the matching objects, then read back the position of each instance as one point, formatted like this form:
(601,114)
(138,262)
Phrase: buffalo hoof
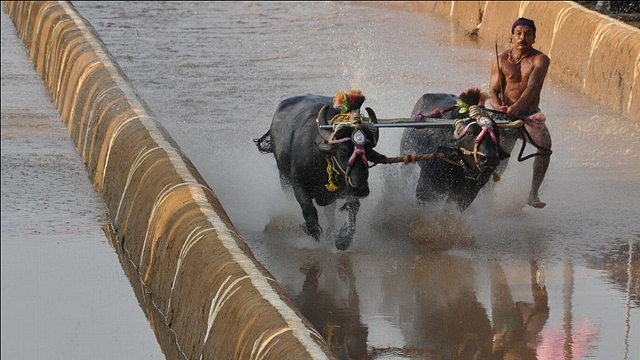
(343,240)
(312,230)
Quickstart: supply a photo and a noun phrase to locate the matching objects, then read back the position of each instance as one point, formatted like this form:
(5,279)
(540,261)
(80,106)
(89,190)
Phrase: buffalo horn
(372,115)
(321,120)
(511,125)
(322,116)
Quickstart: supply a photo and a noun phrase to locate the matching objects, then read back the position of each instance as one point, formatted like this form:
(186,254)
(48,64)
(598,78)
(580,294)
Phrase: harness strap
(526,134)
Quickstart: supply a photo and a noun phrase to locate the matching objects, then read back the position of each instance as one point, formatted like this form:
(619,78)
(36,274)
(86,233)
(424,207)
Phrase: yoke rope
(411,158)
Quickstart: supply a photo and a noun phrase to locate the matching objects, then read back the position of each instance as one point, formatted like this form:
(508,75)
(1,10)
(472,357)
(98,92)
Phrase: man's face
(522,37)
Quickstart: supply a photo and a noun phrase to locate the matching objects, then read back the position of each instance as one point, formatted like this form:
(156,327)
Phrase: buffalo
(467,156)
(323,147)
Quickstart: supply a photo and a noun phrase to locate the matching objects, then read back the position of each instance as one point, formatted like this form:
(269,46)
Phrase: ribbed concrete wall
(209,296)
(591,52)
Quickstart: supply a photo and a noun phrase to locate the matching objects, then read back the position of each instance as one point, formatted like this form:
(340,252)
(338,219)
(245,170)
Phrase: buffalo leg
(345,236)
(330,213)
(309,212)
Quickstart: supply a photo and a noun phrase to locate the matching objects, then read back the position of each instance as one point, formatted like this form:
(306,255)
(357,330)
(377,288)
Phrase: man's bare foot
(535,202)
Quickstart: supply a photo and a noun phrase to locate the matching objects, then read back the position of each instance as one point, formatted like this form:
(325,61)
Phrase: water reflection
(577,336)
(336,317)
(622,267)
(517,325)
(443,306)
(444,318)
(621,263)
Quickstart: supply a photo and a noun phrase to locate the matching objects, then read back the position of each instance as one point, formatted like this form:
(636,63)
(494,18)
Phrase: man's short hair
(525,22)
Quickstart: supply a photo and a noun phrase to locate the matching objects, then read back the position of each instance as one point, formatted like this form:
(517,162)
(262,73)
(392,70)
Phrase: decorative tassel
(346,102)
(331,187)
(472,96)
(464,107)
(356,99)
(341,102)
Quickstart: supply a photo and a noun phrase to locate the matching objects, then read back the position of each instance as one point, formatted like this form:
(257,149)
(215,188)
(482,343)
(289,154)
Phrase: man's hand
(512,112)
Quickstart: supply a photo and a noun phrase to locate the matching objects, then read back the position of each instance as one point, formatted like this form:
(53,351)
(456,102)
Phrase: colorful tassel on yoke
(346,102)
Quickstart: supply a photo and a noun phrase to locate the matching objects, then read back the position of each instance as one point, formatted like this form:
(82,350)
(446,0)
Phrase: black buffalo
(322,164)
(466,157)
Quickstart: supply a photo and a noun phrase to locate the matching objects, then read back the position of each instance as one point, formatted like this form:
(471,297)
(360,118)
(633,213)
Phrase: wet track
(213,73)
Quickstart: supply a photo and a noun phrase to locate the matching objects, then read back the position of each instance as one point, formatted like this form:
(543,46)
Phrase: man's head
(523,33)
(524,22)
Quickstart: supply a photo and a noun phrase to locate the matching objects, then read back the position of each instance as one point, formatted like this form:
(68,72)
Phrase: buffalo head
(478,141)
(348,150)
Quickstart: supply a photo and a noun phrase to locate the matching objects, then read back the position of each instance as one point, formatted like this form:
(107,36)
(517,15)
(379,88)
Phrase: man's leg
(540,165)
(542,138)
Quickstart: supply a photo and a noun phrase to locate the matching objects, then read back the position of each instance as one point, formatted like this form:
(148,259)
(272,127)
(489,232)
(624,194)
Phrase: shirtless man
(516,82)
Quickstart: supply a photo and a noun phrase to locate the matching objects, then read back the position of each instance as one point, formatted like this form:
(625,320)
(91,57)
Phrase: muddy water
(561,282)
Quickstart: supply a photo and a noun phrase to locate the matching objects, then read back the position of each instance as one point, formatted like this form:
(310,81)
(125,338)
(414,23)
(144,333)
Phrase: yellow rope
(331,186)
(339,118)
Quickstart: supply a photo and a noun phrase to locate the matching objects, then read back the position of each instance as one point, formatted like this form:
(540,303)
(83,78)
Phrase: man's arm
(495,88)
(530,97)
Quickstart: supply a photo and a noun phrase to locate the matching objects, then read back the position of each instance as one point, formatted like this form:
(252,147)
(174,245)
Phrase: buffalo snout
(358,181)
(489,164)
(361,192)
(358,191)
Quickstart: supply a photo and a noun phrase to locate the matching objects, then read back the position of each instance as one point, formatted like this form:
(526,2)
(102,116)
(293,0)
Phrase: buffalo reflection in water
(337,318)
(444,319)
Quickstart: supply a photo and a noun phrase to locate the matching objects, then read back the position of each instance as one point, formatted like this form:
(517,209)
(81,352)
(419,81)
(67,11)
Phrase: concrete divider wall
(589,51)
(210,298)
